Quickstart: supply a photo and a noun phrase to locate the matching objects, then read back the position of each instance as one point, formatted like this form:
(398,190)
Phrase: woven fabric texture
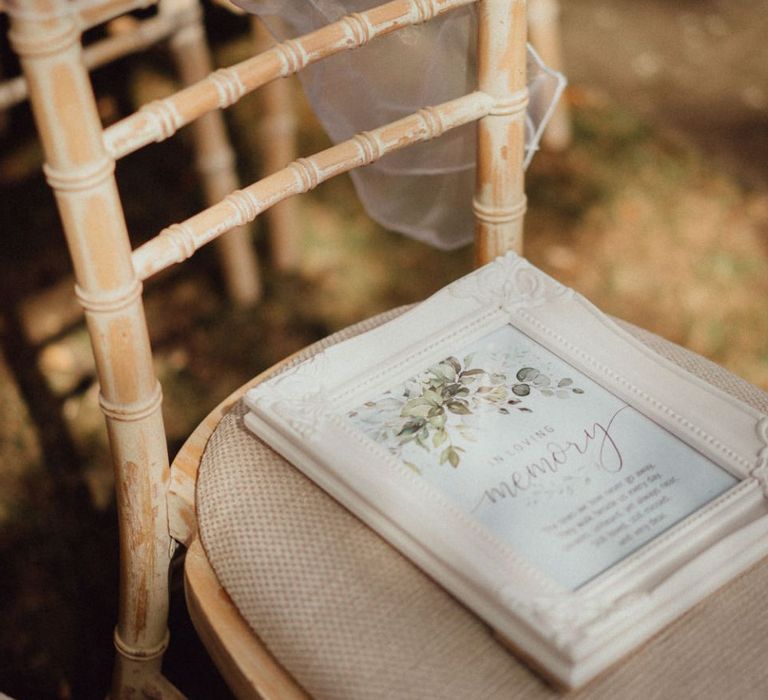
(351,618)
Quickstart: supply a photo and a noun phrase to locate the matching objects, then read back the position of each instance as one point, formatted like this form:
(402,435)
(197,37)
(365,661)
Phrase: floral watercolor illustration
(442,406)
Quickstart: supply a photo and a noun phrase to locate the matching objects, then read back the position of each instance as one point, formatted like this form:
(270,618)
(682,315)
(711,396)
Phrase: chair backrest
(80,167)
(179,24)
(13,91)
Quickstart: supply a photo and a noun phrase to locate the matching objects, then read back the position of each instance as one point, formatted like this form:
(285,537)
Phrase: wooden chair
(277,146)
(545,35)
(337,611)
(179,22)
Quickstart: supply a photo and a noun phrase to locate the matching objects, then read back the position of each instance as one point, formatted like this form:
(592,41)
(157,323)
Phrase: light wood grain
(214,157)
(160,120)
(145,33)
(499,203)
(180,241)
(46,38)
(179,20)
(155,505)
(545,34)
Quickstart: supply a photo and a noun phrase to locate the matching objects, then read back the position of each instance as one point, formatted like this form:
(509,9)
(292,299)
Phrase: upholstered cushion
(350,617)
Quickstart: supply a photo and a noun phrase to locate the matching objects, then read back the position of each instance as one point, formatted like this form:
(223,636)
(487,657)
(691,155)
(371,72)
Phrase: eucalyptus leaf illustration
(442,405)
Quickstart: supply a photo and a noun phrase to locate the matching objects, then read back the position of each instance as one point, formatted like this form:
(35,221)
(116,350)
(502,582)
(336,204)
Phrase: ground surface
(658,212)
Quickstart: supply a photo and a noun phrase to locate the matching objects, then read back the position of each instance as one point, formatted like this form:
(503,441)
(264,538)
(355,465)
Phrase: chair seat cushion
(349,617)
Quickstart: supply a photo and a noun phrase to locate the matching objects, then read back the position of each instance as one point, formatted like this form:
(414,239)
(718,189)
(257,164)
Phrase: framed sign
(574,489)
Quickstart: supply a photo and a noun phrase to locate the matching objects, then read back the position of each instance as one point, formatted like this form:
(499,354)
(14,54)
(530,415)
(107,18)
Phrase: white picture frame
(570,632)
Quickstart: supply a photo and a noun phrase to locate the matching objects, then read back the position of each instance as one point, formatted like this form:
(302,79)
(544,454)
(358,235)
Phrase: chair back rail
(161,119)
(179,241)
(80,168)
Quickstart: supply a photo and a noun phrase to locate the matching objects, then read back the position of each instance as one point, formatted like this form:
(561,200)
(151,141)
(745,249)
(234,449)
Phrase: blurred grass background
(658,212)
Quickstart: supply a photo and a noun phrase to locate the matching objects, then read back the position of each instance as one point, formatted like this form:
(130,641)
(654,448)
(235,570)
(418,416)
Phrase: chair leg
(141,678)
(277,143)
(544,33)
(215,159)
(45,35)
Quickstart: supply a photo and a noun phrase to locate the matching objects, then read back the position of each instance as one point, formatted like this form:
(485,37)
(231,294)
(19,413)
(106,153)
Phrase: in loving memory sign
(567,474)
(554,473)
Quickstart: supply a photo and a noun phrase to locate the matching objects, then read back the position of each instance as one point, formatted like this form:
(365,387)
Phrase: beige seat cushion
(349,617)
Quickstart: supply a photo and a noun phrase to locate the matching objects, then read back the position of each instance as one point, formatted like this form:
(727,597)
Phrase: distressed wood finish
(80,168)
(180,241)
(146,33)
(181,21)
(215,160)
(277,145)
(159,120)
(499,203)
(46,38)
(544,34)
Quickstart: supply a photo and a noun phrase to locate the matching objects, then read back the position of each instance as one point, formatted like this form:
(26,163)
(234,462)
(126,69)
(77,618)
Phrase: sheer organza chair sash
(424,192)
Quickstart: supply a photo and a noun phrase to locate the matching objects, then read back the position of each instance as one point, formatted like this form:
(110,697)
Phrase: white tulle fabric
(424,192)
